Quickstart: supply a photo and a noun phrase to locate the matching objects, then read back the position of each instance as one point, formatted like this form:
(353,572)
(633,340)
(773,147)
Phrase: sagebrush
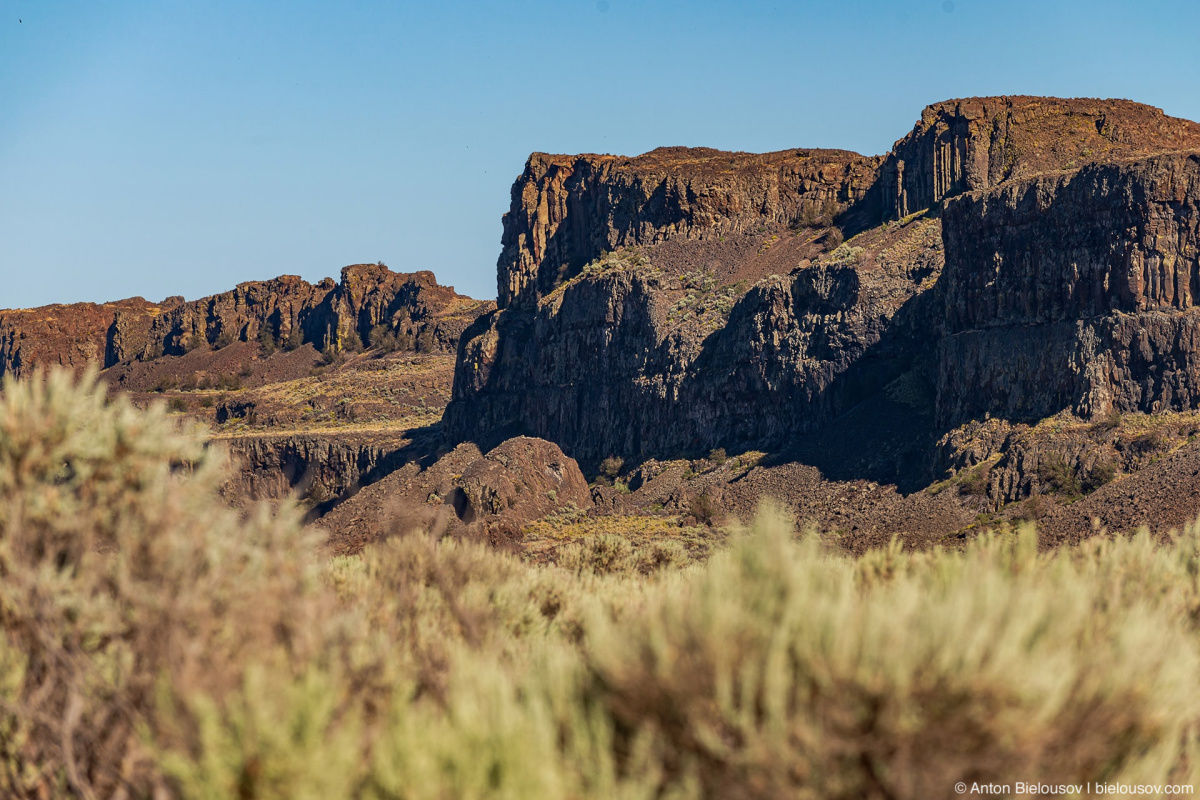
(156,643)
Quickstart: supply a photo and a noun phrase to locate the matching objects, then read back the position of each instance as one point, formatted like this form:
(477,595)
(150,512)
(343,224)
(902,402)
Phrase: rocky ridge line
(369,299)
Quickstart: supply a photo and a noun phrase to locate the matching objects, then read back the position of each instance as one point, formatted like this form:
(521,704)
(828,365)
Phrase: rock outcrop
(981,142)
(567,210)
(73,335)
(408,311)
(1074,291)
(465,492)
(316,468)
(634,362)
(413,308)
(1070,264)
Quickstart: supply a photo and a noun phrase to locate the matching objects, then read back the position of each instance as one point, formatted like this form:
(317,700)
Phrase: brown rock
(416,312)
(464,493)
(566,210)
(71,335)
(627,359)
(981,142)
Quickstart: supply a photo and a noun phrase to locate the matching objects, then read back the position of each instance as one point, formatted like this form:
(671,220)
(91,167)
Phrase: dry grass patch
(615,543)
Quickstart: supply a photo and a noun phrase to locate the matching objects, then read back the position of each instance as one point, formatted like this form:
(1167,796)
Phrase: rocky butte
(1011,256)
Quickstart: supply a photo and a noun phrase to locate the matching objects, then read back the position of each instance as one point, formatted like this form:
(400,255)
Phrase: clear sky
(160,148)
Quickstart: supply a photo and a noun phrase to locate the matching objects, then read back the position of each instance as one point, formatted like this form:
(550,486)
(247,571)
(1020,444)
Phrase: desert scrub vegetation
(155,643)
(703,299)
(623,259)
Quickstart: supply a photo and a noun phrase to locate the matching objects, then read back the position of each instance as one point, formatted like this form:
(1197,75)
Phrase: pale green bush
(782,670)
(155,643)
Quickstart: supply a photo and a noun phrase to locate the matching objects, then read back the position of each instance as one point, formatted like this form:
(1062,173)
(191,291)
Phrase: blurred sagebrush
(155,643)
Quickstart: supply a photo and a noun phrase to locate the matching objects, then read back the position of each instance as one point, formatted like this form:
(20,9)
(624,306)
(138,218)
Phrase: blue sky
(160,148)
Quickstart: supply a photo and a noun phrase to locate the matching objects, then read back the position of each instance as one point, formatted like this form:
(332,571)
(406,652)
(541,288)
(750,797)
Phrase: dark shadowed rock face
(1070,268)
(316,468)
(412,308)
(1074,291)
(634,361)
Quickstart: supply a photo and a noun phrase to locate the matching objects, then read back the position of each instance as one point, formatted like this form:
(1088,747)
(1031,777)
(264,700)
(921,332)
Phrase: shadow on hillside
(785,375)
(874,421)
(427,444)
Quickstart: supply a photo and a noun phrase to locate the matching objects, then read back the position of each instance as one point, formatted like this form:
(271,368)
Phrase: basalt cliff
(369,300)
(1012,257)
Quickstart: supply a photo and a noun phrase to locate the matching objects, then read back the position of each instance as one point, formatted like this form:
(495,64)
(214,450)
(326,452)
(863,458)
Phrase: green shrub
(780,671)
(705,508)
(611,467)
(1103,471)
(268,343)
(126,587)
(154,642)
(1058,476)
(976,481)
(383,339)
(295,339)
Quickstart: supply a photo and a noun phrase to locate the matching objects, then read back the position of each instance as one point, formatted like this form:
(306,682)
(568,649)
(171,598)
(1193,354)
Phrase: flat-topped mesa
(412,308)
(567,210)
(1070,269)
(980,142)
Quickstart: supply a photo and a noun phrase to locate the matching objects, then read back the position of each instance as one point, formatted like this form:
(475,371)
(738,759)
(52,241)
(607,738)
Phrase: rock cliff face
(978,143)
(566,210)
(422,314)
(316,468)
(412,310)
(631,361)
(73,335)
(1070,266)
(1075,291)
